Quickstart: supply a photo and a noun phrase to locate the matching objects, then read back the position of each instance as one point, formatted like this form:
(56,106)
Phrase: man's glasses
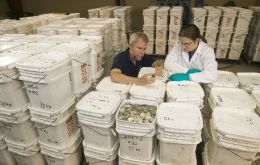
(186,44)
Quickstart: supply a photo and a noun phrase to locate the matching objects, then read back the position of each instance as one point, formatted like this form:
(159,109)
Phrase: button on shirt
(123,62)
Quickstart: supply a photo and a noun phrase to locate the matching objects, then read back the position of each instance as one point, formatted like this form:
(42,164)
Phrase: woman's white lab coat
(203,59)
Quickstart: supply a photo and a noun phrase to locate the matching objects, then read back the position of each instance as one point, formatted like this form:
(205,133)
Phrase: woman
(191,59)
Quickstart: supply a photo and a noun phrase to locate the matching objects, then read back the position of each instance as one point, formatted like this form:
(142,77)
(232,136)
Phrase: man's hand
(147,79)
(159,71)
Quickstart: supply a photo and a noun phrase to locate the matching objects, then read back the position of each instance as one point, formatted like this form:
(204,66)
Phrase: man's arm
(118,77)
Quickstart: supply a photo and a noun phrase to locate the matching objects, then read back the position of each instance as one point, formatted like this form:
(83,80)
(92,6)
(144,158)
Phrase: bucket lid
(106,85)
(232,98)
(249,81)
(44,61)
(178,117)
(154,91)
(233,143)
(237,123)
(225,79)
(99,104)
(14,115)
(184,90)
(72,48)
(176,10)
(8,60)
(7,45)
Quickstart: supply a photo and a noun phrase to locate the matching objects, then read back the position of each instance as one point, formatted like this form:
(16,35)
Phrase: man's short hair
(136,36)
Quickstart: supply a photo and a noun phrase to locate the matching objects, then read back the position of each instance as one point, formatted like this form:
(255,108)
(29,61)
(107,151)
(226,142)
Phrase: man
(126,65)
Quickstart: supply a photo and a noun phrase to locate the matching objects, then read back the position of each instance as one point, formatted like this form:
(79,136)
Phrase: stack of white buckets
(96,113)
(179,132)
(21,136)
(235,137)
(234,128)
(47,81)
(79,53)
(137,142)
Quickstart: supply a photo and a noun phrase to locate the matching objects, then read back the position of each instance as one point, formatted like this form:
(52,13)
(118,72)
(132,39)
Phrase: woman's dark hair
(191,31)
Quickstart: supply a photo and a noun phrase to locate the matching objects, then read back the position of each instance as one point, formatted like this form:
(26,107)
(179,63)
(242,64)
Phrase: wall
(63,6)
(3,8)
(240,3)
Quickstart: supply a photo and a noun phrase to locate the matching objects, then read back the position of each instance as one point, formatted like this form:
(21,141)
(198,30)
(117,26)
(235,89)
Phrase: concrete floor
(240,66)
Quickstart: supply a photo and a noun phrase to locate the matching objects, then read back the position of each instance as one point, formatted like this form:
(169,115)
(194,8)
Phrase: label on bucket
(70,126)
(5,104)
(84,73)
(135,143)
(32,88)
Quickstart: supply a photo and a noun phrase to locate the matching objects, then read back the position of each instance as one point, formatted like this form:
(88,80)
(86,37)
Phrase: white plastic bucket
(244,18)
(137,147)
(199,16)
(60,131)
(174,33)
(136,139)
(224,35)
(239,36)
(217,154)
(79,53)
(127,161)
(160,47)
(26,154)
(228,18)
(222,50)
(50,95)
(70,153)
(149,16)
(99,136)
(176,16)
(21,130)
(213,17)
(162,15)
(149,31)
(150,47)
(101,156)
(211,34)
(161,32)
(5,156)
(235,52)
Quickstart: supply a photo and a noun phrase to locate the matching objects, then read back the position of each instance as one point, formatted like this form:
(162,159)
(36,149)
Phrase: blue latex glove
(179,77)
(190,71)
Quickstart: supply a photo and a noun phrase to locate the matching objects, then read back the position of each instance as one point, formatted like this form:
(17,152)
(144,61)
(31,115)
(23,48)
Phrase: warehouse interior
(59,104)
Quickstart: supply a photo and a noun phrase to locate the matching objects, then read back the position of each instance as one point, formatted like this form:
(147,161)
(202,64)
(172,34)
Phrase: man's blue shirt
(123,62)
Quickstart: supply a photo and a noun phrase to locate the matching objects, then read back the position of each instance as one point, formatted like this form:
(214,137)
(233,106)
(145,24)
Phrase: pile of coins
(137,113)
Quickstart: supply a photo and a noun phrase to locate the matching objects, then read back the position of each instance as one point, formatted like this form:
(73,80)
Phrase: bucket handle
(28,86)
(10,77)
(80,62)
